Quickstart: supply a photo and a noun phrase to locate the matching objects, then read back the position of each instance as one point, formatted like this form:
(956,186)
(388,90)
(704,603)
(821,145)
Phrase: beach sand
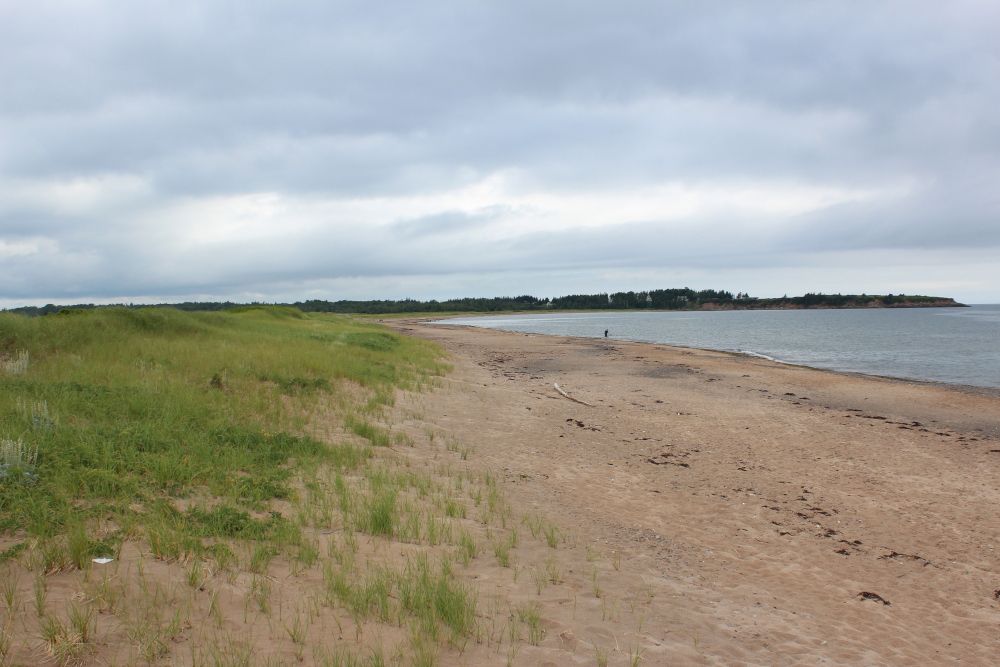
(763,514)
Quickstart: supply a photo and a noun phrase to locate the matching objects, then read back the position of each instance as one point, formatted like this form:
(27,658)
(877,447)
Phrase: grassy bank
(184,434)
(102,409)
(247,495)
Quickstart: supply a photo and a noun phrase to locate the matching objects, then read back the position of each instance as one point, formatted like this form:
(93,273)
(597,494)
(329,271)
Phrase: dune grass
(200,452)
(114,407)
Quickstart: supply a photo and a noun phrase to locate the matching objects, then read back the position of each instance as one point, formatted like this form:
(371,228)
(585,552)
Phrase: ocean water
(953,345)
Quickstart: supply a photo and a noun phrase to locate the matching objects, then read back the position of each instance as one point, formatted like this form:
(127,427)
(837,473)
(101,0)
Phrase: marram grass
(113,407)
(207,452)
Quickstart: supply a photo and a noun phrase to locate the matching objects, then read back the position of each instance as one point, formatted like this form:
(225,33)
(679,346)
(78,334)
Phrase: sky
(164,151)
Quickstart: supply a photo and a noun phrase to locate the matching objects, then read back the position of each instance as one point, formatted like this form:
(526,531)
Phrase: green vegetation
(235,474)
(661,299)
(688,299)
(117,407)
(820,300)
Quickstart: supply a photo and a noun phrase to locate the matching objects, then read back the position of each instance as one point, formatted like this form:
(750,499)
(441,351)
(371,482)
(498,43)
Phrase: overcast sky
(185,149)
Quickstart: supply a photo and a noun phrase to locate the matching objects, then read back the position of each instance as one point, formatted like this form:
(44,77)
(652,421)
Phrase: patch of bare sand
(776,515)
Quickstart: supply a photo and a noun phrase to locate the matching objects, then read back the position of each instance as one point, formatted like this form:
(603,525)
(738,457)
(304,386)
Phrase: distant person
(605,333)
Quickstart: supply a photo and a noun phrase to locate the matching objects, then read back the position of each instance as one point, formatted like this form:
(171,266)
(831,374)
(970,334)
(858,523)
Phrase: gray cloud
(143,146)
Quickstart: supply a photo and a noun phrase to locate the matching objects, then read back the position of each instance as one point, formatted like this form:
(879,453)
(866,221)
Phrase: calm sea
(954,345)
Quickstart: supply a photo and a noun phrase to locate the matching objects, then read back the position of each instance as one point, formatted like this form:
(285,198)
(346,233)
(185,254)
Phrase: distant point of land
(662,299)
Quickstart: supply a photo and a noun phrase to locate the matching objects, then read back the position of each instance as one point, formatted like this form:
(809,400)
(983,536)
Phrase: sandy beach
(768,514)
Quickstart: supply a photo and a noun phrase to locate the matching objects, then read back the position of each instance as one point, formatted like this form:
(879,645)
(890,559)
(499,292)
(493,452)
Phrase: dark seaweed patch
(668,455)
(895,554)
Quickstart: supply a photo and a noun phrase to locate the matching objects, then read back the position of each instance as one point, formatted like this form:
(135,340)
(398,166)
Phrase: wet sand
(781,515)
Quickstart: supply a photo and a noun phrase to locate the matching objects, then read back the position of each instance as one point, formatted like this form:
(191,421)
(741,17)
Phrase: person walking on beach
(605,333)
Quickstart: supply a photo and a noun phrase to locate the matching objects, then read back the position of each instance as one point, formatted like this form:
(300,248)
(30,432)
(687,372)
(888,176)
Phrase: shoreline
(952,386)
(761,502)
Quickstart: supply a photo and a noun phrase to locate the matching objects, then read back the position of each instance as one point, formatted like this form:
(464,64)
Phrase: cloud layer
(348,150)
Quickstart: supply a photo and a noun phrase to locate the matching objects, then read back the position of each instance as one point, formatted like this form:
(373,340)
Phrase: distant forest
(662,299)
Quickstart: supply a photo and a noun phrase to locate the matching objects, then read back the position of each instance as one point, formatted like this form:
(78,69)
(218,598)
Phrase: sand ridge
(783,515)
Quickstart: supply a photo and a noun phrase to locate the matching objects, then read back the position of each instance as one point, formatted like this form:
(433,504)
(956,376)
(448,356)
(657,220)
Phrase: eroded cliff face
(938,303)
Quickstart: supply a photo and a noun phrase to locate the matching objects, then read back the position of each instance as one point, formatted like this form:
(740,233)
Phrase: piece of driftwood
(575,400)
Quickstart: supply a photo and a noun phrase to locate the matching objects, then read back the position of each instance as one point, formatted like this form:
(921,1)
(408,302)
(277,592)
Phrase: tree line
(661,299)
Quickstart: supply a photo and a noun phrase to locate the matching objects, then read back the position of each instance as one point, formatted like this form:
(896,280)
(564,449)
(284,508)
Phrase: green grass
(530,614)
(115,407)
(205,452)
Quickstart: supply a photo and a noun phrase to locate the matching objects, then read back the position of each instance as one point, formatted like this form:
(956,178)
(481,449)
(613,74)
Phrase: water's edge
(527,328)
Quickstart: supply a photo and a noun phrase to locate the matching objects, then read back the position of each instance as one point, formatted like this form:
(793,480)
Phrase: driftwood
(575,400)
